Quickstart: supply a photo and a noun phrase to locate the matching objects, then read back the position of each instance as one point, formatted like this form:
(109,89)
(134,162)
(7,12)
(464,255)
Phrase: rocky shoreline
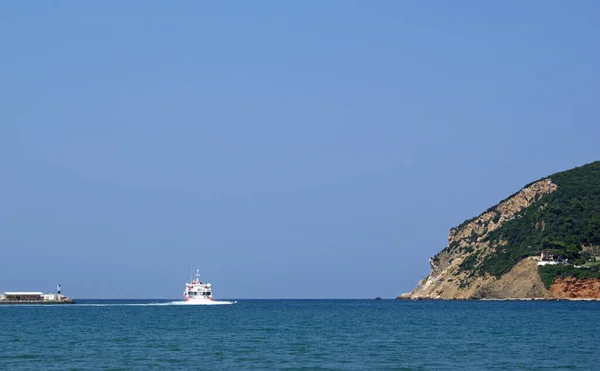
(400,298)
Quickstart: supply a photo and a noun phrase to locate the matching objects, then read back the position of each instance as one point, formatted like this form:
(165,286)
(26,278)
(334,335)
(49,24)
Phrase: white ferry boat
(197,291)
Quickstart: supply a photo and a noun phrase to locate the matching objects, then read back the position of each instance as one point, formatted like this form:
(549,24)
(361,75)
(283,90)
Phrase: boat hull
(203,300)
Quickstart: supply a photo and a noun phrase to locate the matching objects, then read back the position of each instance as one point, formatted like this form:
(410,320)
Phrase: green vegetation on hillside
(549,272)
(563,221)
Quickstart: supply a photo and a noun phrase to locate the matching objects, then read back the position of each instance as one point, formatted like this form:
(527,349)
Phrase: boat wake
(159,304)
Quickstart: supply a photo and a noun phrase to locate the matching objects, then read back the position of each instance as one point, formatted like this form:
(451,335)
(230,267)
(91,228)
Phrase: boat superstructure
(197,290)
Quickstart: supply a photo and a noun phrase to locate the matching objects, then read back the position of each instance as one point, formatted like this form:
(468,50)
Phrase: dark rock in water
(378,298)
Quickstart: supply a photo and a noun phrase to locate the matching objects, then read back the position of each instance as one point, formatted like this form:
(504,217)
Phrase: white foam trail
(122,305)
(129,304)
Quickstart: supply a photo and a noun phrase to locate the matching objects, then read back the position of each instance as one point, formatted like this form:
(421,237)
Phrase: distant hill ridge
(496,254)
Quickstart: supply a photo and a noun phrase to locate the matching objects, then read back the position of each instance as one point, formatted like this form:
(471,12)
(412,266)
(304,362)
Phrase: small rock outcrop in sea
(542,242)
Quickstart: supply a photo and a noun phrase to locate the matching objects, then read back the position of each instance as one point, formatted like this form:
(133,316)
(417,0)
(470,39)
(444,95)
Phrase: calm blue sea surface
(301,334)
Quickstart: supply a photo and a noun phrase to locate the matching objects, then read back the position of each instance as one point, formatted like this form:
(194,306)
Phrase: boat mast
(197,275)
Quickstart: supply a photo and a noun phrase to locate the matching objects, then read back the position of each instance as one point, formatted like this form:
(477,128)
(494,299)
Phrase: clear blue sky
(287,149)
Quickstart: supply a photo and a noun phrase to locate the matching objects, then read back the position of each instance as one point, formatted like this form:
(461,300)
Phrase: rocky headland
(543,242)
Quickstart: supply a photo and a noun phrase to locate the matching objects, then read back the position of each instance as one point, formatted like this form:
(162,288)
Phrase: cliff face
(495,255)
(447,278)
(572,288)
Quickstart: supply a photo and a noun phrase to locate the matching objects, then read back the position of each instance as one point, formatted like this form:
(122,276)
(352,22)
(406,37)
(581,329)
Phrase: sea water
(301,334)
